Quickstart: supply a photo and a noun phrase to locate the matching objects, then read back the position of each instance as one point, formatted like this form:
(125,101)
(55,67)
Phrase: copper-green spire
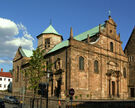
(50,29)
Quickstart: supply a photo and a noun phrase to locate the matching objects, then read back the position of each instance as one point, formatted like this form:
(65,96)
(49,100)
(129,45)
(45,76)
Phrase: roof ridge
(26,49)
(91,31)
(26,52)
(22,53)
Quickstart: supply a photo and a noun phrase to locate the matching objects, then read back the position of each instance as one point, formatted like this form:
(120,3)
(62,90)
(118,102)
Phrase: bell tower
(49,38)
(111,27)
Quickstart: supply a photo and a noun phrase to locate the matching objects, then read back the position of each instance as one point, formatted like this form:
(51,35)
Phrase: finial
(50,21)
(71,33)
(109,12)
(88,38)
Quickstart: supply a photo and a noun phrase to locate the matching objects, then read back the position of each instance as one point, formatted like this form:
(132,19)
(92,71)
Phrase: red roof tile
(5,74)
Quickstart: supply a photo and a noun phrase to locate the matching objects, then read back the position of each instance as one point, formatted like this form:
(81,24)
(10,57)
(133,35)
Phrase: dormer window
(47,43)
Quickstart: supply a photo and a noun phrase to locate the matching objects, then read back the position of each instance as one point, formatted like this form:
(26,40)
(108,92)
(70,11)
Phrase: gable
(22,53)
(17,55)
(111,21)
(130,46)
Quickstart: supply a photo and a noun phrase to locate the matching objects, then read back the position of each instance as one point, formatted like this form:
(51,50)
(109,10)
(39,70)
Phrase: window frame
(111,46)
(96,66)
(81,63)
(124,73)
(47,42)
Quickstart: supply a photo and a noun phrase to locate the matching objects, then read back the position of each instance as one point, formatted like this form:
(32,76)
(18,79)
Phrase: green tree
(35,71)
(11,71)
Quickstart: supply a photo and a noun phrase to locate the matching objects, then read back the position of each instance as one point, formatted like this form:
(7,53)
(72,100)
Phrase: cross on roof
(109,12)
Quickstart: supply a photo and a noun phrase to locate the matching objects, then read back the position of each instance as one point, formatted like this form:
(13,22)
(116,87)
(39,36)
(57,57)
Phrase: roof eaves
(59,46)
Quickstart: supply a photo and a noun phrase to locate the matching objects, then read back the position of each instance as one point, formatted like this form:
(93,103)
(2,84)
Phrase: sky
(22,20)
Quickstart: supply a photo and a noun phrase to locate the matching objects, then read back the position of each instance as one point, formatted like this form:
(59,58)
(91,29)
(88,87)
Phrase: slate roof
(5,74)
(80,37)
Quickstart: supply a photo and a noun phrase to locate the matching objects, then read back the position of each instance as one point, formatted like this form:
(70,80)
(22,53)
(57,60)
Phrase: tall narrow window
(96,66)
(59,63)
(111,46)
(124,72)
(47,43)
(81,63)
(47,65)
(55,65)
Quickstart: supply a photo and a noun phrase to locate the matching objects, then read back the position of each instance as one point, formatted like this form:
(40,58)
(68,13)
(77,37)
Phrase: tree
(11,71)
(35,71)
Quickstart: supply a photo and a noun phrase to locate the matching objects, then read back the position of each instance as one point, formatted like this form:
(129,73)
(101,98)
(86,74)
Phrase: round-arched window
(81,63)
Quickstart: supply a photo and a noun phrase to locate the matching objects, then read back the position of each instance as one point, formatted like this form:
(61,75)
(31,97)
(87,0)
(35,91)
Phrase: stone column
(109,87)
(117,87)
(108,74)
(117,76)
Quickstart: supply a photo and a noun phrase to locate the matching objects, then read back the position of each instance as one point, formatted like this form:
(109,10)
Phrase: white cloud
(13,35)
(26,43)
(25,32)
(5,61)
(8,28)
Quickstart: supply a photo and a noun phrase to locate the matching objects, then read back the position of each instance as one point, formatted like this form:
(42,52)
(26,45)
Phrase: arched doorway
(113,78)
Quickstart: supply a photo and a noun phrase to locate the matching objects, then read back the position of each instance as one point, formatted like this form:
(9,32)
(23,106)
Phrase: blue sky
(22,20)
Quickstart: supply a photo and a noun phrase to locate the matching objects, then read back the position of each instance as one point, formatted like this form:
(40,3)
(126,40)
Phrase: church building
(130,52)
(93,63)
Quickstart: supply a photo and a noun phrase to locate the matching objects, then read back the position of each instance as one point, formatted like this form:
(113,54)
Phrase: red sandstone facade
(96,67)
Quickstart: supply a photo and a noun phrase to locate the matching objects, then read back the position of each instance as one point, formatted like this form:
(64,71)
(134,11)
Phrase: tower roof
(50,29)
